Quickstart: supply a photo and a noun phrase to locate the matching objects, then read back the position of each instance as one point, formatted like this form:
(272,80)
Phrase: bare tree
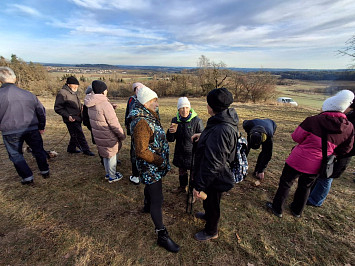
(349,50)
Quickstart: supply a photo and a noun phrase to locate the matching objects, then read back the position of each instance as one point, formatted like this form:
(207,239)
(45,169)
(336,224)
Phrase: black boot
(166,242)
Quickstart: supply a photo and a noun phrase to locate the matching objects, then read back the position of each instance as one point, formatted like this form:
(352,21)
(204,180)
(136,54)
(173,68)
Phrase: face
(184,111)
(74,87)
(210,110)
(152,104)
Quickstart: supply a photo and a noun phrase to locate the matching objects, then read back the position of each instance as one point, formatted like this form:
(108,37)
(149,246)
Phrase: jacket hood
(334,122)
(193,114)
(228,116)
(94,99)
(140,111)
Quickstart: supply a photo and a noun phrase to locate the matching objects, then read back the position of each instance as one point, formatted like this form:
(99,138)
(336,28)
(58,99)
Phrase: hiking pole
(190,195)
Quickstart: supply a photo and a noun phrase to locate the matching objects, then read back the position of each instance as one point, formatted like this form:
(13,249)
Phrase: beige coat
(107,131)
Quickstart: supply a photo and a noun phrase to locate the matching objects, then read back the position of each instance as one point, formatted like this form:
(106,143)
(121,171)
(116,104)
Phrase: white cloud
(24,9)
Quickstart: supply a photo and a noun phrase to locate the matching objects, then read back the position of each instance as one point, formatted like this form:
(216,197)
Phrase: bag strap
(324,146)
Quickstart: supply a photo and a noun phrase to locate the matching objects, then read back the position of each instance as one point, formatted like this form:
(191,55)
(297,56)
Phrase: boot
(166,242)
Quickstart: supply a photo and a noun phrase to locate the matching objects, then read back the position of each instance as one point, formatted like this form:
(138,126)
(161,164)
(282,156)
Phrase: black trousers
(77,137)
(135,171)
(153,201)
(305,182)
(212,209)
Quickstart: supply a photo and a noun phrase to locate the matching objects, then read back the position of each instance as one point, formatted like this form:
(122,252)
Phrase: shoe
(27,182)
(134,179)
(310,204)
(73,151)
(203,236)
(200,215)
(118,177)
(293,213)
(107,177)
(45,175)
(270,208)
(88,153)
(166,242)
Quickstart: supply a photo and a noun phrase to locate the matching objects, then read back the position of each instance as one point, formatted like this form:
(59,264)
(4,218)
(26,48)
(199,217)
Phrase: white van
(287,100)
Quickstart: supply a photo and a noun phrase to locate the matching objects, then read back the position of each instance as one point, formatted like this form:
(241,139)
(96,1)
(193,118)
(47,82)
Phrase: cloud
(112,4)
(16,8)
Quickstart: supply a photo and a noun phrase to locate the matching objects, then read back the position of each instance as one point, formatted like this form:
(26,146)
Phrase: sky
(302,34)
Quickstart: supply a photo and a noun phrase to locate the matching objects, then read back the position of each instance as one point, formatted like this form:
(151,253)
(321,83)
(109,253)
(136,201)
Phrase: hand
(172,129)
(41,131)
(114,106)
(196,193)
(195,137)
(71,119)
(259,176)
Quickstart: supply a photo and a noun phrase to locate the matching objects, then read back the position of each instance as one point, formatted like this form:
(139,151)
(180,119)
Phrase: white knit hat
(145,95)
(137,85)
(338,102)
(183,102)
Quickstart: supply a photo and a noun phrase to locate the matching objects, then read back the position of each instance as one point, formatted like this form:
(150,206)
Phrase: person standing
(134,178)
(183,126)
(320,190)
(215,152)
(260,132)
(305,159)
(22,118)
(68,105)
(151,151)
(106,129)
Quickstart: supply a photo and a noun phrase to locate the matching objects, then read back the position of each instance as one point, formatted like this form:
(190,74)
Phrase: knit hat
(88,90)
(339,102)
(137,85)
(145,95)
(183,102)
(72,80)
(98,86)
(219,99)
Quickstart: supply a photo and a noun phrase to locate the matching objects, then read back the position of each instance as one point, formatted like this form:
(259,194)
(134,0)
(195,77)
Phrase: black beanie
(72,80)
(256,137)
(98,86)
(219,99)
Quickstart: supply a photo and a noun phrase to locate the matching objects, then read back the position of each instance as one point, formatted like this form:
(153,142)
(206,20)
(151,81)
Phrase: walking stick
(190,196)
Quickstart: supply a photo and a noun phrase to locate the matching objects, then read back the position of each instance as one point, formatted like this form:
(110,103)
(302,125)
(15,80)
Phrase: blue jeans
(110,166)
(320,191)
(14,143)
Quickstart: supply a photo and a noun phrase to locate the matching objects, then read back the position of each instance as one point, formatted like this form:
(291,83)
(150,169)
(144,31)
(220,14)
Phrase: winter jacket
(183,146)
(266,146)
(67,103)
(151,149)
(107,131)
(306,157)
(215,151)
(20,110)
(130,105)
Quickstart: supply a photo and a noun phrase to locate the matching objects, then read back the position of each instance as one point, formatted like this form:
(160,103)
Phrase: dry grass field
(77,218)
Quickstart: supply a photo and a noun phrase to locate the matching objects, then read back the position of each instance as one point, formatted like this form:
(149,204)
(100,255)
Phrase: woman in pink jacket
(305,159)
(107,131)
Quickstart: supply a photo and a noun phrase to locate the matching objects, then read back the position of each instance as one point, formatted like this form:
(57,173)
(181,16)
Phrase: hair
(7,75)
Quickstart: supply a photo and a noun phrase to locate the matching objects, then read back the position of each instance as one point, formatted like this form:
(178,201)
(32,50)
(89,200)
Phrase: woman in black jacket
(215,151)
(183,126)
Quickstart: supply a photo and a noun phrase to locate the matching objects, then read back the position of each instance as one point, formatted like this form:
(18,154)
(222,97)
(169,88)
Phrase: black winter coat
(215,151)
(183,146)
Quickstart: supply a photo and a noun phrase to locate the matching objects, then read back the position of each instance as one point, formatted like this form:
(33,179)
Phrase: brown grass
(76,218)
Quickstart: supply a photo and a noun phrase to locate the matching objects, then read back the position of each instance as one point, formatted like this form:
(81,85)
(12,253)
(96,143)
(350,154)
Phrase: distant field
(77,218)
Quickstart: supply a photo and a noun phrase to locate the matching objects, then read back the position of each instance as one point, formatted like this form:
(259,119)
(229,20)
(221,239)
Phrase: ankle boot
(165,241)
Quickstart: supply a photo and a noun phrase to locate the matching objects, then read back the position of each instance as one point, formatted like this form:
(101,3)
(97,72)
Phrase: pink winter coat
(107,131)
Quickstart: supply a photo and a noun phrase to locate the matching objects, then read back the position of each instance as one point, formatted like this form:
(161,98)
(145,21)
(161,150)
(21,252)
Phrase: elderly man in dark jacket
(260,132)
(215,151)
(68,105)
(22,118)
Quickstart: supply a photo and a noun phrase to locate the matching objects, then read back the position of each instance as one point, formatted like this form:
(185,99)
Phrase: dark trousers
(305,182)
(212,209)
(77,137)
(153,201)
(14,143)
(183,177)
